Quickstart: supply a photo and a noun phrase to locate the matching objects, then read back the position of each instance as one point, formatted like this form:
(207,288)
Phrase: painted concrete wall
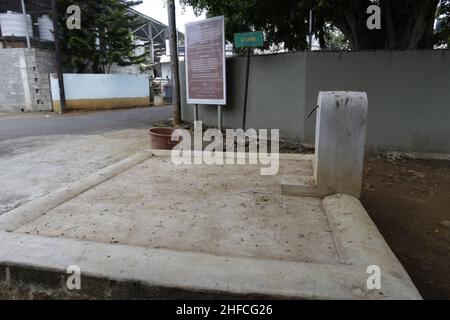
(24,82)
(409,95)
(276,95)
(13,80)
(102,91)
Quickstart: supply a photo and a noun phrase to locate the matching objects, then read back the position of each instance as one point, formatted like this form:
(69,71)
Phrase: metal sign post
(246,88)
(248,40)
(219,117)
(195,115)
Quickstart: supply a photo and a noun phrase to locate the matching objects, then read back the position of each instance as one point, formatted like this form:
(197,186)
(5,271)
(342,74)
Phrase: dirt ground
(409,201)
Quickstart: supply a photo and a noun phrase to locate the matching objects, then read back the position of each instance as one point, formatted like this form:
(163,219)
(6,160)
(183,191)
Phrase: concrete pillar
(340,145)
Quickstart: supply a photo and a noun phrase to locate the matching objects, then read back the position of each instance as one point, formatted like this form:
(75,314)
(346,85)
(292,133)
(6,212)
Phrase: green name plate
(249,39)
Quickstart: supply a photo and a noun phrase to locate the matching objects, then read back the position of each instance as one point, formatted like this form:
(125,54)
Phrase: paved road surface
(23,125)
(42,152)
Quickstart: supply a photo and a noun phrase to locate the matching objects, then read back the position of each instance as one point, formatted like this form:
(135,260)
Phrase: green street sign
(249,39)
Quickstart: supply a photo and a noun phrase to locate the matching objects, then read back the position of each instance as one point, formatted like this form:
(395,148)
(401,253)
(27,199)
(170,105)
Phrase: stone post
(340,145)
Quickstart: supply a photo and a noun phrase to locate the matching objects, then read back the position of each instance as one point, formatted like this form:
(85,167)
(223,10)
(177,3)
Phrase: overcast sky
(157,9)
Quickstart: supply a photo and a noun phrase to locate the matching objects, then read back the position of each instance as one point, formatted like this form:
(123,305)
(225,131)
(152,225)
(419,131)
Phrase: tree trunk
(406,25)
(173,44)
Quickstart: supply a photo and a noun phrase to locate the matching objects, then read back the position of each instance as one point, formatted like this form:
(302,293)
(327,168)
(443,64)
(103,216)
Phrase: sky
(157,9)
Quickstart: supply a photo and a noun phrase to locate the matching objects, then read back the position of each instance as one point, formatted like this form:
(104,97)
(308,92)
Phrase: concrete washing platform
(146,228)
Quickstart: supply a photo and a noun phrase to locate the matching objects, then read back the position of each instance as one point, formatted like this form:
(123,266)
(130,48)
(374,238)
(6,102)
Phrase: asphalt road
(46,124)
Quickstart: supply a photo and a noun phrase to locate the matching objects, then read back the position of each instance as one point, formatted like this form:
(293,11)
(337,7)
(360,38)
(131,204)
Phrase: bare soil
(409,201)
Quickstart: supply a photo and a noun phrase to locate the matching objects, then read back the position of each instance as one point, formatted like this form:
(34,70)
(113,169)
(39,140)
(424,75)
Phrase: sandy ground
(409,201)
(34,166)
(208,209)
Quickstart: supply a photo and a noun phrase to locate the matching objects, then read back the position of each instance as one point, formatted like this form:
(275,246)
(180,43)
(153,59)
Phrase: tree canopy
(105,36)
(405,24)
(443,34)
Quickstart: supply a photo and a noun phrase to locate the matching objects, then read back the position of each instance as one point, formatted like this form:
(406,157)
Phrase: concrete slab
(37,268)
(36,166)
(217,231)
(222,210)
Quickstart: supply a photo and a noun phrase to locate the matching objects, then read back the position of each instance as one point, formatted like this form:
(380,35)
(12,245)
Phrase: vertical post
(178,42)
(24,12)
(176,100)
(246,89)
(59,68)
(310,29)
(195,115)
(219,117)
(340,146)
(150,35)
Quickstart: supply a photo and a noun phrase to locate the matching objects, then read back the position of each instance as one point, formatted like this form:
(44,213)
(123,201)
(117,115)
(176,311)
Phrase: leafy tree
(335,39)
(406,24)
(105,36)
(443,34)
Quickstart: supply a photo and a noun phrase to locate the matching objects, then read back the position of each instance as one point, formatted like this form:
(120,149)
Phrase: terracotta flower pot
(161,138)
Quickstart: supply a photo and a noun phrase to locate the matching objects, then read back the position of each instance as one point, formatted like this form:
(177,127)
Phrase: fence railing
(26,23)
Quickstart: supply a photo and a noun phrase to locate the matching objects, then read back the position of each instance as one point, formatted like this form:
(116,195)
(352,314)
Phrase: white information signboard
(205,62)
